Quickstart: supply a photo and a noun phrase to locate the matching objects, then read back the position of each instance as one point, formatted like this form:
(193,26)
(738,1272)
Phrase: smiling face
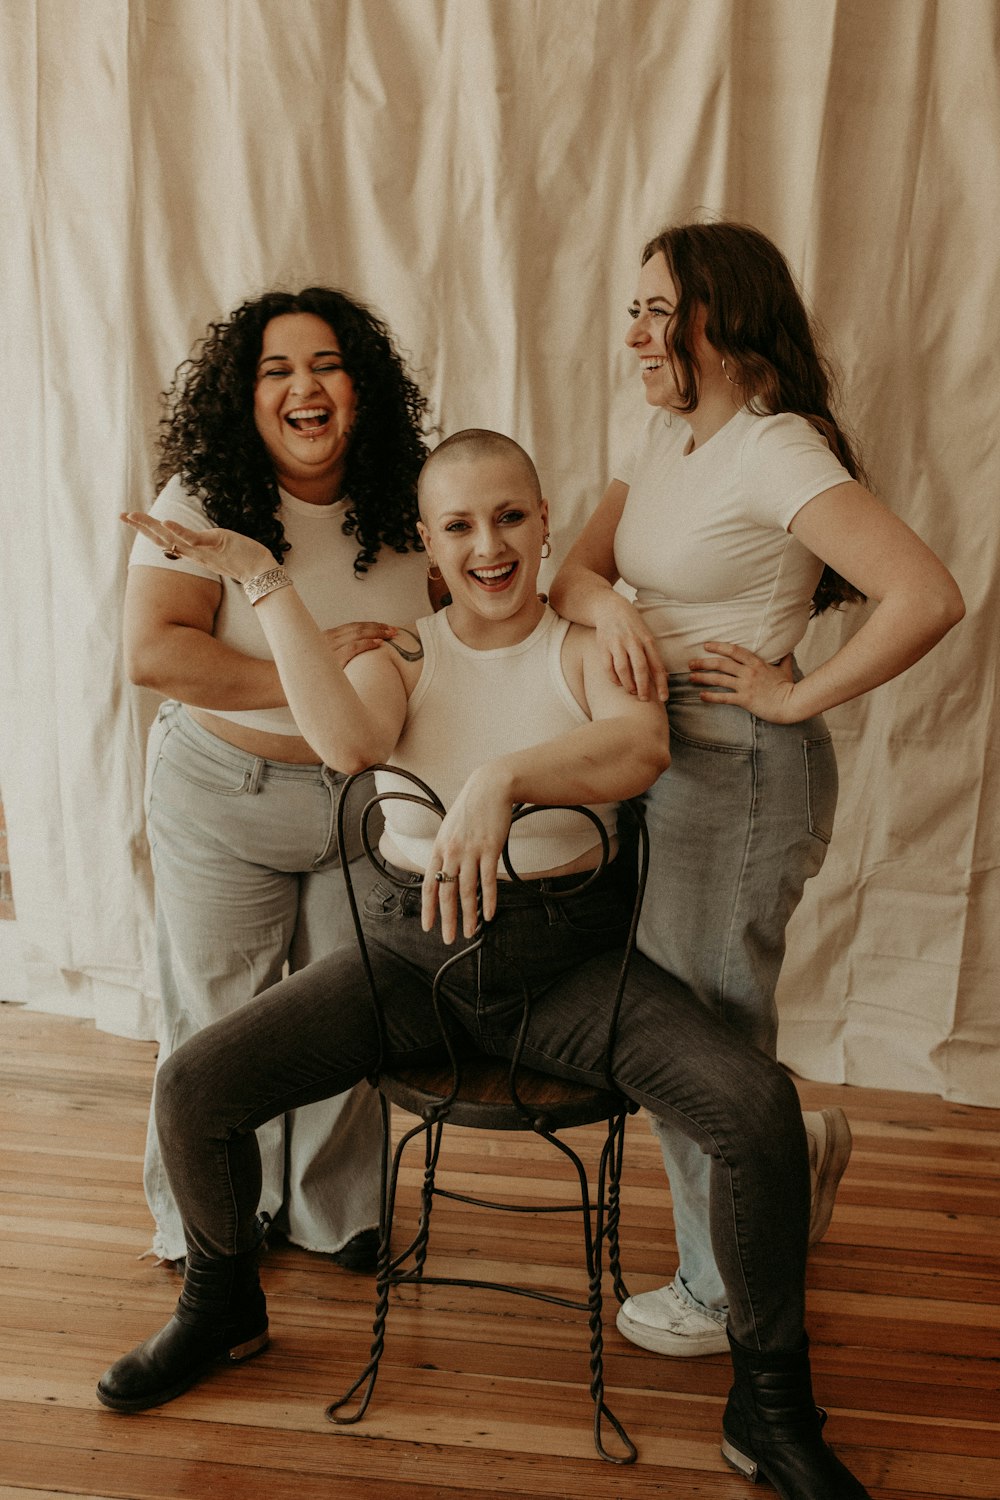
(649,336)
(483,524)
(304,406)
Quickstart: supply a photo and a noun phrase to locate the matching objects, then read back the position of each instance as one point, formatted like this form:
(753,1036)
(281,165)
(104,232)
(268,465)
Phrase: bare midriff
(291,748)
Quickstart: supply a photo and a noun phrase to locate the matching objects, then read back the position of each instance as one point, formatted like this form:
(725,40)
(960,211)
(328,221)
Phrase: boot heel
(772,1429)
(748,1467)
(221,1317)
(252,1346)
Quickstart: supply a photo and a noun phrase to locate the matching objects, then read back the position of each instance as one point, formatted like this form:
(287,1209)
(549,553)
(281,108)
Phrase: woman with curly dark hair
(296,423)
(742,511)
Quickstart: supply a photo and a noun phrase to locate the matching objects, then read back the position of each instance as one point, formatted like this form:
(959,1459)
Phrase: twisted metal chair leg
(369,1374)
(616,1147)
(383,1281)
(594,1231)
(432,1151)
(607,1182)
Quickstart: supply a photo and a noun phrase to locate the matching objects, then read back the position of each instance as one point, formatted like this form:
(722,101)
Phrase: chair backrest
(633,843)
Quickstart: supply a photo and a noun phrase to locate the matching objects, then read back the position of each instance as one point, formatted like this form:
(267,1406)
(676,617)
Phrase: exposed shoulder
(392,662)
(407,650)
(600,694)
(579,640)
(407,643)
(577,645)
(582,640)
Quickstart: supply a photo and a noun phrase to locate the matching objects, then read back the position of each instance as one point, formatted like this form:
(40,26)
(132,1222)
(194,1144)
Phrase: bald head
(471,445)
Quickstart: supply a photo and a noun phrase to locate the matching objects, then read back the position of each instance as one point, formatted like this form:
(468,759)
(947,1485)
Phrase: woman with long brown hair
(742,512)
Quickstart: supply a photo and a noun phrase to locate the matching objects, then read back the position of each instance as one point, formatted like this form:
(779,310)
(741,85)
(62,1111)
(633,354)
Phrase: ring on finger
(169,552)
(443,879)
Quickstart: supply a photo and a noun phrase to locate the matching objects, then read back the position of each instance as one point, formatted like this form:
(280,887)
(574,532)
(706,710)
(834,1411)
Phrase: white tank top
(471,706)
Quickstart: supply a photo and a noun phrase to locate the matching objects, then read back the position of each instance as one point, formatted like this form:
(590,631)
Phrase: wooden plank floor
(479,1395)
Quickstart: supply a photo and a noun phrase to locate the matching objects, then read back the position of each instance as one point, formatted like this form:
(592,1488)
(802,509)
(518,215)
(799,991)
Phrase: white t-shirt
(470,706)
(321,565)
(704,538)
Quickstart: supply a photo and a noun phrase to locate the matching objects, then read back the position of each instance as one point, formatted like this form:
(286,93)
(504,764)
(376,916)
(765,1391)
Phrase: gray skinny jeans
(313,1035)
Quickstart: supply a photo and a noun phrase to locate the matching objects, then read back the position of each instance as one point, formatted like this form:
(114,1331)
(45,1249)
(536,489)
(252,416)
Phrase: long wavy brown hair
(208,435)
(756,319)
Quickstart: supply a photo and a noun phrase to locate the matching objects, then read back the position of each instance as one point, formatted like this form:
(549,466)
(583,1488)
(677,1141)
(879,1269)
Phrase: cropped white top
(321,565)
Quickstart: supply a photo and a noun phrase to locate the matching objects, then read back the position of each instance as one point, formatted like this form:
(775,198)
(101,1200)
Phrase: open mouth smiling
(495,577)
(308,419)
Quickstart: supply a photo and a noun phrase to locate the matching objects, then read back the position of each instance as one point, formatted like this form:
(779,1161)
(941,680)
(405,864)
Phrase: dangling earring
(546,546)
(433,571)
(727,374)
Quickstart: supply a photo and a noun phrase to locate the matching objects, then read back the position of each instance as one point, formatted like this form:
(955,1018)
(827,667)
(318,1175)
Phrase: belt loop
(413,900)
(551,907)
(254,776)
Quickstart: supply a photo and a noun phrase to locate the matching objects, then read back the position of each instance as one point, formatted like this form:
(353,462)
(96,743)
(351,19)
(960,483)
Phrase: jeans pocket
(382,903)
(598,912)
(196,765)
(715,727)
(821,786)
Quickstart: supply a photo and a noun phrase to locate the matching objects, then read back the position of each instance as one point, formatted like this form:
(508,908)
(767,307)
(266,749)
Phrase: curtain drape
(484,173)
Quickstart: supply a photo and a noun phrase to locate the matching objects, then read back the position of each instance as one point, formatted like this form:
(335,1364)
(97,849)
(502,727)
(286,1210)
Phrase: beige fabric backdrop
(484,173)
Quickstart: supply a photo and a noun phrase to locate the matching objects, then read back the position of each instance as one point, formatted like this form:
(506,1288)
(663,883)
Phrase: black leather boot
(772,1429)
(221,1315)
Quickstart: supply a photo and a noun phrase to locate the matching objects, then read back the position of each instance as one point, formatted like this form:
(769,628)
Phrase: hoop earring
(546,547)
(727,374)
(433,572)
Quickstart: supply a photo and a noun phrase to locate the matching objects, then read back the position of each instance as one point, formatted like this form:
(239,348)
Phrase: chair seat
(484,1100)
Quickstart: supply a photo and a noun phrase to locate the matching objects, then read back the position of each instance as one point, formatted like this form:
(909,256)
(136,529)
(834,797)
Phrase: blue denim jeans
(248,878)
(313,1035)
(737,825)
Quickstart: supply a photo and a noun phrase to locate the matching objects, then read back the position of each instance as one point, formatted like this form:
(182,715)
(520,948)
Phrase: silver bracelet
(262,584)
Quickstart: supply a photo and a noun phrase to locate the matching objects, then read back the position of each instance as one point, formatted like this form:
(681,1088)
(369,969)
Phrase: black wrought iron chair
(472,1090)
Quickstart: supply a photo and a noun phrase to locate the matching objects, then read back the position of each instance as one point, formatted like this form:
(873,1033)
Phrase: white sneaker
(829,1138)
(661,1320)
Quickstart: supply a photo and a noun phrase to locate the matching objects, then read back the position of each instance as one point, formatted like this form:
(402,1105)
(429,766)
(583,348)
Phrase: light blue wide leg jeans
(248,879)
(737,825)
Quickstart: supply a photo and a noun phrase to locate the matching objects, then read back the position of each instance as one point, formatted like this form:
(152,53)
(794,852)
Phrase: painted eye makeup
(656,312)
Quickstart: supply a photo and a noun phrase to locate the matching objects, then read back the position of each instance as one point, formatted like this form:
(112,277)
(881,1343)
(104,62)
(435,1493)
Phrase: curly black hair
(208,435)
